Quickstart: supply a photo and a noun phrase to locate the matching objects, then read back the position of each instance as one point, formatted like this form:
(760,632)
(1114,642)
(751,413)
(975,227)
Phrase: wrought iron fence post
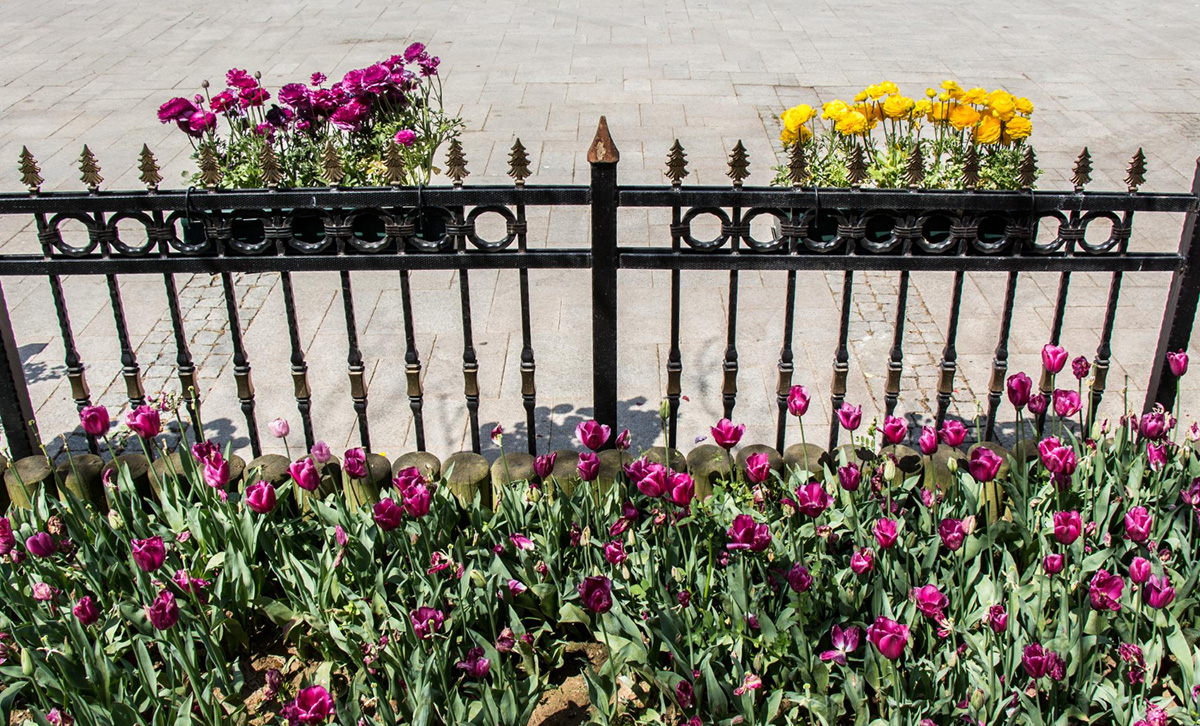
(603,157)
(1180,313)
(16,410)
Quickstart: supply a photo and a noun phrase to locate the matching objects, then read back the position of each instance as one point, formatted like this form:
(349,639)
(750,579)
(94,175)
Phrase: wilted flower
(746,534)
(260,497)
(44,592)
(95,420)
(726,434)
(1153,425)
(58,717)
(1105,590)
(844,641)
(862,561)
(144,421)
(889,637)
(797,401)
(475,665)
(849,416)
(1054,357)
(163,613)
(1020,388)
(506,641)
(593,434)
(1138,523)
(149,554)
(1080,368)
(684,694)
(426,621)
(596,593)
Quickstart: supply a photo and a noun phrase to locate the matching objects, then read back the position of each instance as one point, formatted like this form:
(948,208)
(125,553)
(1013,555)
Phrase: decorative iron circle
(510,226)
(937,234)
(1117,236)
(368,229)
(430,225)
(248,233)
(779,239)
(1060,238)
(704,245)
(993,233)
(868,233)
(308,231)
(191,237)
(120,246)
(55,238)
(822,231)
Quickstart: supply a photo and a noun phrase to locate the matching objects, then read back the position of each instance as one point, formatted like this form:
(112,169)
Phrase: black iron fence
(406,229)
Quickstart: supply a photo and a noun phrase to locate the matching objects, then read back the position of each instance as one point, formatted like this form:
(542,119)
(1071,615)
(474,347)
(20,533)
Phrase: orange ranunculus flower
(851,123)
(834,110)
(1024,105)
(1002,103)
(988,130)
(1018,127)
(977,96)
(797,116)
(939,112)
(963,116)
(897,106)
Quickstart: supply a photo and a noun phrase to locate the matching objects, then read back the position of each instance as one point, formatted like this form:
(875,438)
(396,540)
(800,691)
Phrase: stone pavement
(1105,74)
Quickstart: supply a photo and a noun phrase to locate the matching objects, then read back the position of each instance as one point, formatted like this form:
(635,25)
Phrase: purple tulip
(844,642)
(95,420)
(1066,403)
(163,613)
(354,462)
(758,468)
(1138,523)
(260,497)
(895,429)
(1159,591)
(997,618)
(588,466)
(930,601)
(144,421)
(862,561)
(1178,361)
(726,435)
(279,428)
(216,472)
(889,637)
(614,552)
(953,433)
(1080,367)
(849,416)
(798,578)
(1035,660)
(885,532)
(746,534)
(849,477)
(1054,357)
(7,541)
(1058,458)
(1067,527)
(304,472)
(475,665)
(1053,563)
(593,434)
(1156,455)
(656,482)
(1020,388)
(506,641)
(407,477)
(544,464)
(1037,404)
(426,621)
(812,499)
(311,705)
(149,554)
(928,441)
(1153,425)
(1139,570)
(321,453)
(685,694)
(683,489)
(797,401)
(85,611)
(1105,590)
(42,545)
(417,500)
(624,440)
(387,514)
(596,594)
(984,464)
(952,533)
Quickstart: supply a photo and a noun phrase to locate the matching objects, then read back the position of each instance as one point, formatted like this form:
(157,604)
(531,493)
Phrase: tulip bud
(664,409)
(26,663)
(978,699)
(952,465)
(889,470)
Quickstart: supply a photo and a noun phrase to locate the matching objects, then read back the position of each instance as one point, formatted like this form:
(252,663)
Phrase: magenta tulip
(895,429)
(475,665)
(1156,455)
(746,534)
(614,552)
(928,441)
(997,618)
(1066,403)
(1159,591)
(163,613)
(1139,570)
(849,477)
(354,463)
(85,611)
(885,533)
(312,705)
(417,500)
(1037,404)
(1178,361)
(260,497)
(42,545)
(144,421)
(1080,367)
(844,642)
(889,637)
(426,621)
(1057,457)
(930,601)
(216,472)
(1153,425)
(95,420)
(758,468)
(952,533)
(8,541)
(726,434)
(1138,524)
(798,578)
(149,554)
(593,434)
(797,401)
(596,594)
(1020,388)
(624,440)
(849,416)
(656,481)
(588,466)
(685,694)
(812,499)
(862,561)
(683,489)
(1035,660)
(304,473)
(321,453)
(984,464)
(544,464)
(407,477)
(387,514)
(1053,563)
(1067,527)
(953,433)
(1105,590)
(1054,357)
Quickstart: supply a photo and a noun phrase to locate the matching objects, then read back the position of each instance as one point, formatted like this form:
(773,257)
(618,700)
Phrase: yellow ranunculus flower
(897,106)
(834,110)
(861,96)
(943,97)
(797,116)
(791,136)
(1024,105)
(988,130)
(931,93)
(939,113)
(951,86)
(876,91)
(975,96)
(963,116)
(1018,127)
(851,123)
(1002,103)
(889,87)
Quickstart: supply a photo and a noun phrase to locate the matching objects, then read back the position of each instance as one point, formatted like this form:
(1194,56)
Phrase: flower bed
(926,585)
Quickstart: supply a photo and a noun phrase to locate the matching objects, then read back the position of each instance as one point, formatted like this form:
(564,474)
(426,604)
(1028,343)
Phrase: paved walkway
(1105,74)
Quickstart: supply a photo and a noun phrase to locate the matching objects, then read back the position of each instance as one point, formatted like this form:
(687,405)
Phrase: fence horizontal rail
(651,259)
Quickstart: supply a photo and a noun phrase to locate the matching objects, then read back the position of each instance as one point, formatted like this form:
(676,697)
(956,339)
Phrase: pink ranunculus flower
(1105,590)
(895,429)
(312,705)
(812,499)
(798,578)
(885,533)
(387,514)
(889,637)
(844,642)
(1053,563)
(94,420)
(930,601)
(279,428)
(758,468)
(1054,357)
(745,534)
(862,561)
(1178,362)
(1037,404)
(850,417)
(1139,570)
(304,472)
(952,533)
(544,464)
(144,421)
(614,552)
(1020,389)
(593,434)
(149,554)
(596,594)
(997,618)
(683,489)
(1067,526)
(727,435)
(1159,591)
(1066,403)
(588,466)
(849,477)
(163,613)
(928,440)
(1138,523)
(984,464)
(426,621)
(260,497)
(797,401)
(354,463)
(405,137)
(41,545)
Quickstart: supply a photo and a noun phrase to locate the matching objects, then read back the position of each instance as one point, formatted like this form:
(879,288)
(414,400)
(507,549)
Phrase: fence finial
(856,168)
(914,171)
(90,168)
(797,165)
(31,173)
(210,169)
(970,169)
(456,163)
(393,164)
(1027,172)
(677,164)
(331,164)
(148,165)
(739,164)
(1136,176)
(269,161)
(518,163)
(1083,170)
(603,150)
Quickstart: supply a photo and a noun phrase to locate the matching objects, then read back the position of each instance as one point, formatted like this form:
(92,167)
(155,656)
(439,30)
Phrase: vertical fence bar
(412,360)
(301,389)
(241,365)
(950,353)
(841,359)
(470,362)
(674,357)
(603,157)
(354,363)
(1180,312)
(786,358)
(16,410)
(1000,360)
(1103,351)
(528,365)
(130,370)
(896,360)
(1046,384)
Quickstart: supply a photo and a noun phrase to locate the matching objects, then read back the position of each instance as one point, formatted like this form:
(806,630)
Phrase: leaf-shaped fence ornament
(970,168)
(31,173)
(89,169)
(797,165)
(151,176)
(210,168)
(739,164)
(1136,175)
(393,164)
(1082,173)
(269,165)
(856,167)
(1027,172)
(677,164)
(456,163)
(914,170)
(518,163)
(331,164)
